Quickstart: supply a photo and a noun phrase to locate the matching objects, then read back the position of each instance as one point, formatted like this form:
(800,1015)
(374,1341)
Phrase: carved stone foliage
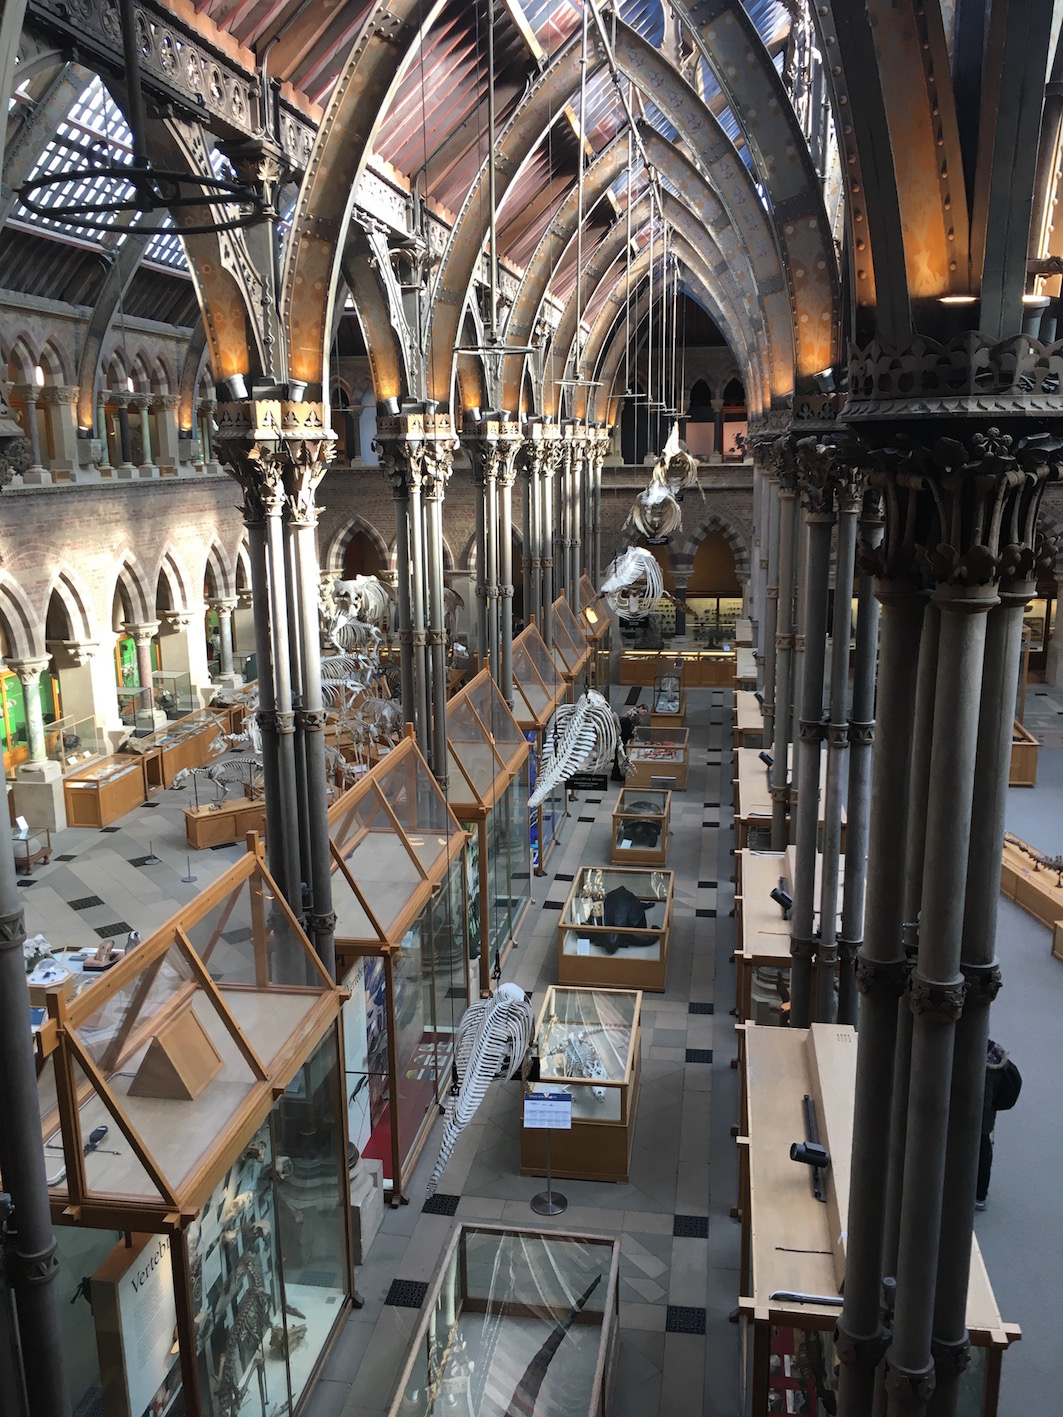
(960,511)
(973,375)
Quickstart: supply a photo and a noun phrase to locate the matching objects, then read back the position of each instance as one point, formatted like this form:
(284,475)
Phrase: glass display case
(398,889)
(189,742)
(538,688)
(172,693)
(488,793)
(73,742)
(669,703)
(571,643)
(588,1043)
(641,820)
(193,1133)
(660,757)
(616,928)
(108,788)
(136,709)
(516,1320)
(701,668)
(596,624)
(794,1243)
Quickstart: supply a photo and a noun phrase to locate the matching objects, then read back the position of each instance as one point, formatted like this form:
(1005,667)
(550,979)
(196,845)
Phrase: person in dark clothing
(630,719)
(1003,1083)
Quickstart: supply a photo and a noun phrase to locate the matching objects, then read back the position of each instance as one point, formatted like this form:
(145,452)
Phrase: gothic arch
(76,601)
(217,572)
(171,571)
(684,553)
(22,628)
(332,561)
(137,593)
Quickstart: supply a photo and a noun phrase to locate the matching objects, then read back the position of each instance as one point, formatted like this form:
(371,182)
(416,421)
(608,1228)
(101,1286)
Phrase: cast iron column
(419,635)
(771,603)
(784,640)
(552,461)
(400,446)
(309,444)
(30,1252)
(880,978)
(437,468)
(506,473)
(861,738)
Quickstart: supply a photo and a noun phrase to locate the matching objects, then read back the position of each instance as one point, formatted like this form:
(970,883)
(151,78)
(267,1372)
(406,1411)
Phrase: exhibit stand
(516,1320)
(660,757)
(538,688)
(794,1219)
(596,624)
(487,777)
(641,827)
(589,1045)
(616,928)
(398,890)
(669,704)
(748,720)
(192,1123)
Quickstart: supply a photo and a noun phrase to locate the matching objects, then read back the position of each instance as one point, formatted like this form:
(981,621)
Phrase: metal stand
(549,1202)
(187,880)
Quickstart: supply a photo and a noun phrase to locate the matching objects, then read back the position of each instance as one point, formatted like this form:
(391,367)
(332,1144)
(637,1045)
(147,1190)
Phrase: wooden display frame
(702,669)
(675,768)
(1024,751)
(616,971)
(748,720)
(225,822)
(793,1243)
(92,802)
(592,1150)
(625,810)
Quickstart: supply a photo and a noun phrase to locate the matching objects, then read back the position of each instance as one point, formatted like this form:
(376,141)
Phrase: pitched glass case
(516,1321)
(538,688)
(616,928)
(589,1044)
(660,757)
(641,820)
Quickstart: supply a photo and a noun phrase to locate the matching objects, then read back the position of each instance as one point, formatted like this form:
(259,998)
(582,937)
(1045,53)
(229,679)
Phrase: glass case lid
(568,635)
(618,888)
(593,616)
(484,742)
(641,802)
(393,836)
(536,678)
(186,1034)
(647,734)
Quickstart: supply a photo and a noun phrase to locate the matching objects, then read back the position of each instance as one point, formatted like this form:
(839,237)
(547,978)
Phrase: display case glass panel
(516,1321)
(659,752)
(586,1043)
(610,911)
(71,742)
(667,684)
(136,709)
(476,766)
(172,693)
(641,825)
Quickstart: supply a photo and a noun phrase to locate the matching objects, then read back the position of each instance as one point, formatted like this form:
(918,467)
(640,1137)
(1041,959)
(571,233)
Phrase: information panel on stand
(552,1110)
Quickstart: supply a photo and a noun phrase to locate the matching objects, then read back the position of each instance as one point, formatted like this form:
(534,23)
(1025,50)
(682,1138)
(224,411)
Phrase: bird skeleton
(633,584)
(581,737)
(492,1039)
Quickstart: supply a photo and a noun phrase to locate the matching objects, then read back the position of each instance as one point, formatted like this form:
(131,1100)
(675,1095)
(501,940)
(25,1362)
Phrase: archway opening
(361,556)
(714,593)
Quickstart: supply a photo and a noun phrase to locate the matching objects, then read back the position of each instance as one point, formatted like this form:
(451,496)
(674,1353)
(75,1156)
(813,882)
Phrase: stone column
(717,431)
(142,636)
(506,475)
(770,540)
(119,400)
(786,472)
(492,444)
(205,409)
(224,606)
(141,404)
(861,737)
(552,461)
(531,461)
(400,449)
(168,452)
(29,673)
(103,424)
(309,443)
(60,401)
(818,475)
(438,466)
(36,474)
(848,498)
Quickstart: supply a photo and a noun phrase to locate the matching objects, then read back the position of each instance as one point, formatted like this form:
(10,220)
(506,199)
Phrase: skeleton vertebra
(581,737)
(492,1039)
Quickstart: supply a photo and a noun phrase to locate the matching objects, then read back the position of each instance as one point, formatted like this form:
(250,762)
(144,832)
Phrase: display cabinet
(516,1320)
(31,845)
(193,1133)
(398,890)
(794,1244)
(1024,752)
(107,789)
(172,693)
(745,669)
(589,1044)
(189,742)
(753,803)
(538,688)
(744,634)
(73,742)
(660,757)
(488,793)
(702,668)
(616,928)
(136,709)
(596,624)
(570,646)
(748,720)
(669,702)
(220,823)
(641,821)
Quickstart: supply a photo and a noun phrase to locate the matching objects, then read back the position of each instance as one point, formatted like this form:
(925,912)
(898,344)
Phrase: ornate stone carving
(862,1351)
(942,1003)
(912,1388)
(881,977)
(983,983)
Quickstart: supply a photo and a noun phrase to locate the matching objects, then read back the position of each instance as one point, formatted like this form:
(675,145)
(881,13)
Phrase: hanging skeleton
(633,584)
(365,597)
(675,468)
(656,514)
(492,1039)
(581,737)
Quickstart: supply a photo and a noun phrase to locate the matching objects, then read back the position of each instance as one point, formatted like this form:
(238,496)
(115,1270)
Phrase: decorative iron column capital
(309,446)
(249,439)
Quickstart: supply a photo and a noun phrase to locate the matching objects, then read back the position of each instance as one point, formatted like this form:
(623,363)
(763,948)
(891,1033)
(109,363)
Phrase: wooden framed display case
(571,643)
(753,801)
(1027,878)
(1024,750)
(538,688)
(702,668)
(596,624)
(794,1245)
(108,788)
(488,793)
(552,1340)
(745,669)
(589,1043)
(748,720)
(398,890)
(744,634)
(189,742)
(217,823)
(641,823)
(668,708)
(616,928)
(660,757)
(193,1134)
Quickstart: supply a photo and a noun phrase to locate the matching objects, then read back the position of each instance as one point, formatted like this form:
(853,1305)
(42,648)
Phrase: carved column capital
(940,1003)
(28,671)
(309,445)
(143,633)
